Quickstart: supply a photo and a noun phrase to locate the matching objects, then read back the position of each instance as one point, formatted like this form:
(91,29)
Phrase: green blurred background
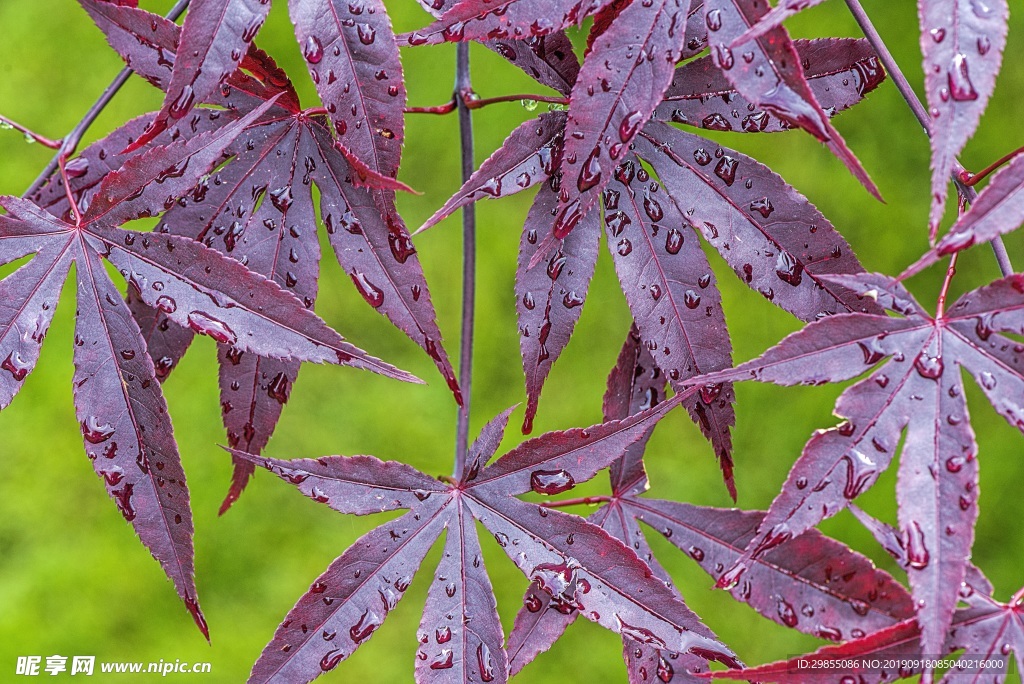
(75,581)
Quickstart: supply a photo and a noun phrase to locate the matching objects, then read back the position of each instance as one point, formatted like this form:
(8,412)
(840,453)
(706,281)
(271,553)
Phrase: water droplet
(532,603)
(629,126)
(590,174)
(691,299)
(443,661)
(571,300)
(443,634)
(653,208)
(786,613)
(641,634)
(960,87)
(370,292)
(713,20)
(331,658)
(665,670)
(928,366)
(551,481)
(788,269)
(624,247)
(938,34)
(860,473)
(674,241)
(617,222)
(96,432)
(567,219)
(726,170)
(368,623)
(77,167)
(367,34)
(281,198)
(756,122)
(313,50)
(183,103)
(401,245)
(16,366)
(987,380)
(278,388)
(913,542)
(205,324)
(860,607)
(762,206)
(830,633)
(484,662)
(716,122)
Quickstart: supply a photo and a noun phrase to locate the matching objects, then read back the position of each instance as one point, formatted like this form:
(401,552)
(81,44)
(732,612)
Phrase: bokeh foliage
(74,582)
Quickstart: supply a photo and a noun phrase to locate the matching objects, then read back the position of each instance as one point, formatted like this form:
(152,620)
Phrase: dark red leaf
(351,599)
(839,71)
(774,239)
(573,560)
(549,59)
(918,390)
(214,39)
(374,248)
(635,384)
(482,20)
(550,295)
(985,631)
(353,61)
(672,295)
(962,43)
(810,583)
(615,93)
(125,426)
(768,72)
(117,396)
(460,625)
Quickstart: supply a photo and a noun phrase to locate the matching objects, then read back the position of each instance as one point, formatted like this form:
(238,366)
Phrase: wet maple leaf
(118,402)
(917,391)
(577,562)
(260,209)
(837,594)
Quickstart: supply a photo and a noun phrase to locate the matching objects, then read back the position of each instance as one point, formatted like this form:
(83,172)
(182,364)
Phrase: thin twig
(463,91)
(971,179)
(473,102)
(940,308)
(71,140)
(922,116)
(446,108)
(28,132)
(477,103)
(580,501)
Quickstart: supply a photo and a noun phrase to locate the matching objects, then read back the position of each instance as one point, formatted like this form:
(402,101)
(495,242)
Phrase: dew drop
(551,481)
(370,292)
(313,50)
(205,324)
(786,613)
(913,542)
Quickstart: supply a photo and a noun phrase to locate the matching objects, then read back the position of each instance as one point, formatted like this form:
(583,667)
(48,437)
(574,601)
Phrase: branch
(463,93)
(30,135)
